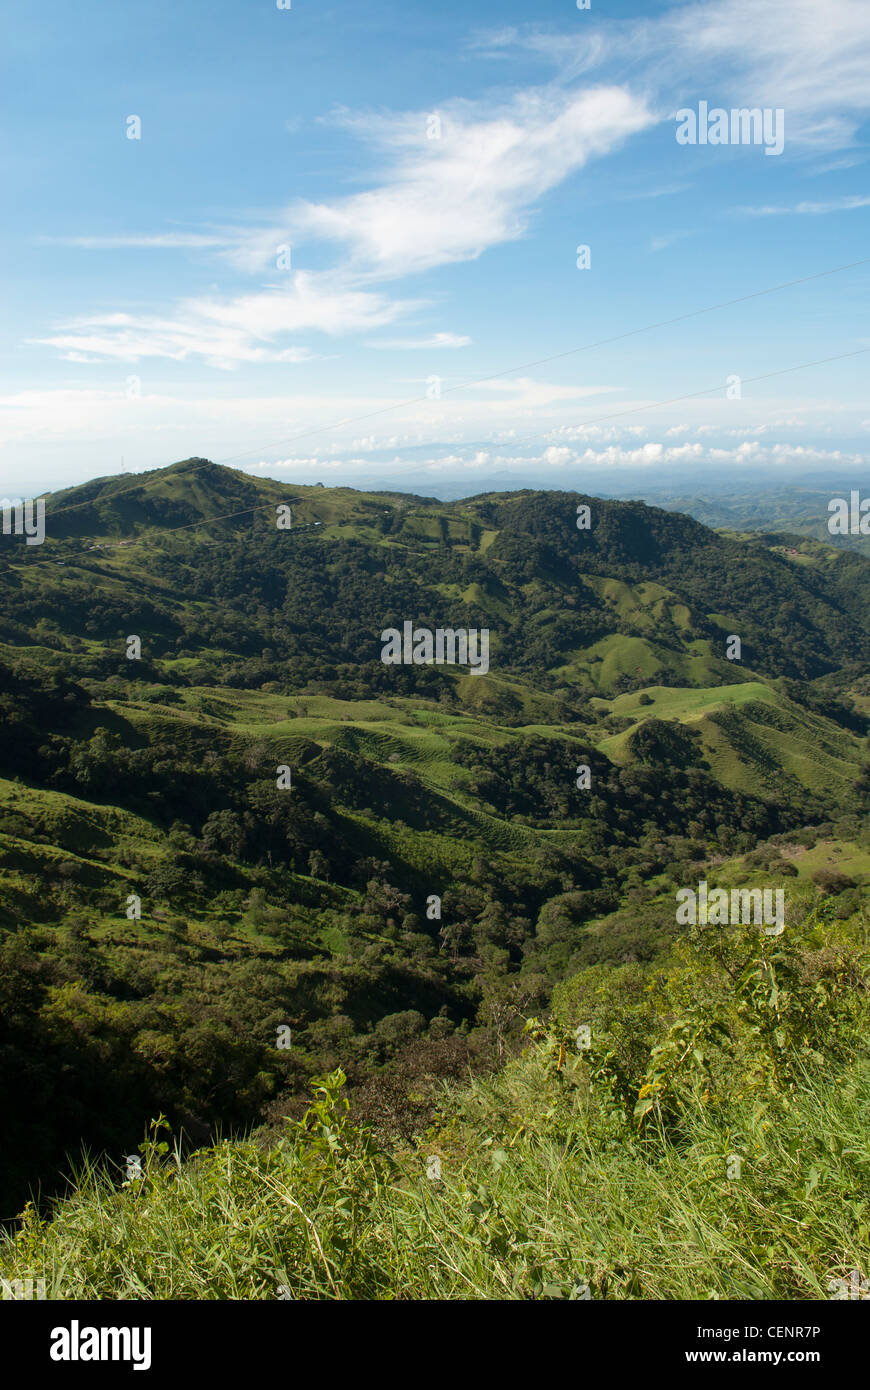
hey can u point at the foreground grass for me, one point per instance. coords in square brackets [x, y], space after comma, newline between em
[713, 1141]
[534, 1199]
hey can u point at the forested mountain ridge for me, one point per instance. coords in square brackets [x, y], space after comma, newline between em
[502, 559]
[152, 784]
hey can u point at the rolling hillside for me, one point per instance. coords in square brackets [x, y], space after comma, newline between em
[168, 906]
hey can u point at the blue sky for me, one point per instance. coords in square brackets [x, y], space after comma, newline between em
[432, 169]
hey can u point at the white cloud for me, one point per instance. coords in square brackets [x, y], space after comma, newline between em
[434, 340]
[556, 455]
[247, 328]
[656, 454]
[449, 199]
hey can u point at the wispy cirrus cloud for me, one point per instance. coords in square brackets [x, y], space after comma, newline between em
[433, 340]
[142, 241]
[661, 243]
[810, 59]
[845, 204]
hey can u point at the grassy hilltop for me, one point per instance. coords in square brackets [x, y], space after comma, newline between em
[149, 785]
